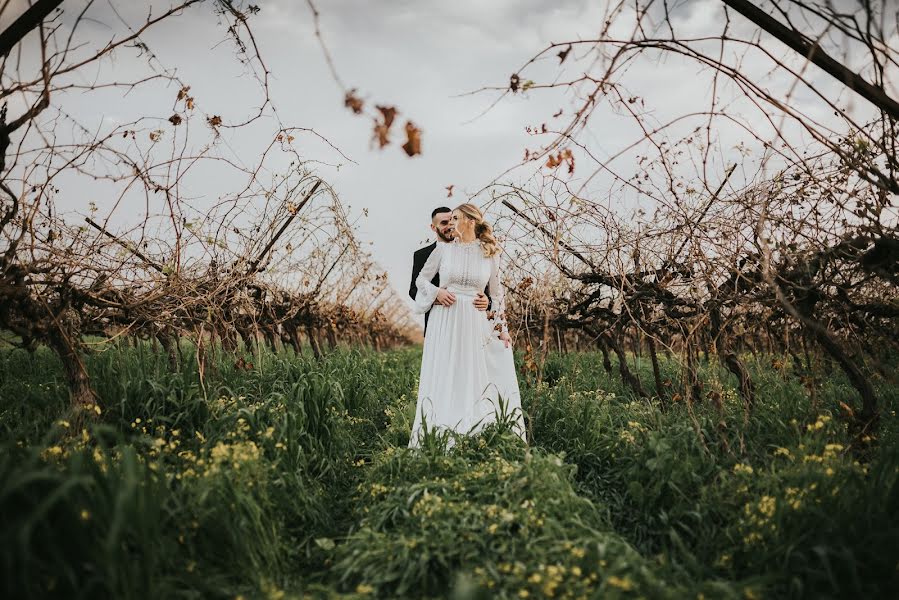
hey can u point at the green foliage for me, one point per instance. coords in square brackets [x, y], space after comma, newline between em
[293, 479]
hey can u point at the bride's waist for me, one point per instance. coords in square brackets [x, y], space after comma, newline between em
[464, 291]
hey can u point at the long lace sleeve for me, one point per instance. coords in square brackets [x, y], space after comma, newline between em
[497, 296]
[427, 291]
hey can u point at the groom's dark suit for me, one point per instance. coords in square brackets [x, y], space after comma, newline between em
[418, 261]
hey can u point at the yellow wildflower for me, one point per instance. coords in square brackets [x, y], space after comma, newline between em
[620, 583]
[741, 468]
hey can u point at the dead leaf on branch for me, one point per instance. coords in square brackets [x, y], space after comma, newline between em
[383, 122]
[382, 128]
[449, 191]
[175, 119]
[564, 54]
[389, 113]
[413, 139]
[353, 102]
[214, 121]
[562, 156]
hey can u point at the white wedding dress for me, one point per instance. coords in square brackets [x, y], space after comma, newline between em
[465, 367]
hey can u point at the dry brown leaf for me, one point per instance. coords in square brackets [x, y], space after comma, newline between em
[413, 139]
[562, 156]
[389, 113]
[353, 102]
[382, 128]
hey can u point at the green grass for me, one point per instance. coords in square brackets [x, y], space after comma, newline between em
[293, 480]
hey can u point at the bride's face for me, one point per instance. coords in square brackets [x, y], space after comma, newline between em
[462, 224]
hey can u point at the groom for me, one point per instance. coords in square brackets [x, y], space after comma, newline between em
[442, 225]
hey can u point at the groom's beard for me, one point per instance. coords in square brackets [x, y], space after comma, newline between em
[445, 238]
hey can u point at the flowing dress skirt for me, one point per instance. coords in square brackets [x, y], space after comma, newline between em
[464, 369]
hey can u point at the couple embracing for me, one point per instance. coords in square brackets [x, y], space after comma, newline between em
[467, 369]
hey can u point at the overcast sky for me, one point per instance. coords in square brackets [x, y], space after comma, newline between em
[422, 56]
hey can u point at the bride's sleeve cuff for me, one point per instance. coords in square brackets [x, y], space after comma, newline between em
[424, 299]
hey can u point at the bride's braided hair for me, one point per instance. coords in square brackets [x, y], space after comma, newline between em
[482, 229]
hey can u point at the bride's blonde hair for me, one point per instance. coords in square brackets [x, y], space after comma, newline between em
[482, 229]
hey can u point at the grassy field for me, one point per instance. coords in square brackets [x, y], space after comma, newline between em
[293, 480]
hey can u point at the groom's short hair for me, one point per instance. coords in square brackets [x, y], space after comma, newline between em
[440, 209]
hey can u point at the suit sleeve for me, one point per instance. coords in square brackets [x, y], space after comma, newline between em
[413, 289]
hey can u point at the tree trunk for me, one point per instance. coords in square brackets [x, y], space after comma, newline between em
[168, 343]
[627, 376]
[313, 342]
[606, 361]
[81, 394]
[656, 372]
[694, 389]
[852, 370]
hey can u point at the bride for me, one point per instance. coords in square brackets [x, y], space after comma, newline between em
[467, 363]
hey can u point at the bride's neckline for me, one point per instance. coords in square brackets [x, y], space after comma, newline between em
[471, 243]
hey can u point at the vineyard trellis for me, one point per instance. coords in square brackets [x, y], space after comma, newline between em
[101, 231]
[795, 253]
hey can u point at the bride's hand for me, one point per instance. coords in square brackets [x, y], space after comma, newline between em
[504, 336]
[445, 298]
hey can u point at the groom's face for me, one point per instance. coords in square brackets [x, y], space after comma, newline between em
[442, 224]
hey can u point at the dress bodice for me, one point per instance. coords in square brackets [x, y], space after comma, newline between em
[464, 268]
